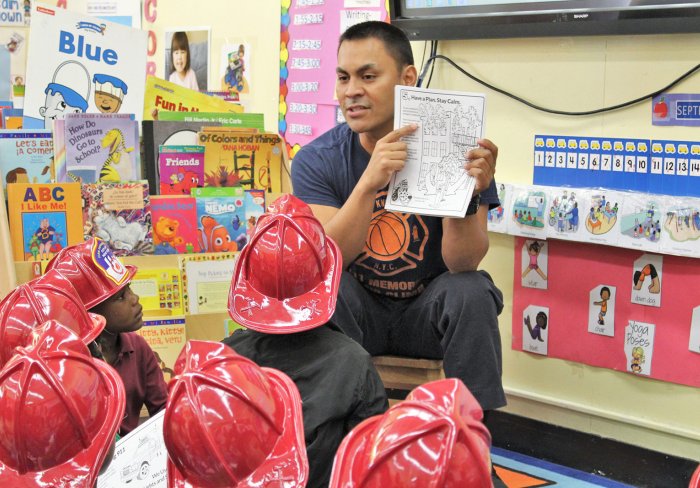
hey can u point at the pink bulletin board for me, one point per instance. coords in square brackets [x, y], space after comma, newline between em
[573, 270]
[309, 41]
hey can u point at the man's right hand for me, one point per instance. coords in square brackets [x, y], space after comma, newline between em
[389, 156]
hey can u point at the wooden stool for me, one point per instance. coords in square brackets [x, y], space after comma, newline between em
[400, 374]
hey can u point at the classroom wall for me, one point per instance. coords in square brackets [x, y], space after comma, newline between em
[576, 74]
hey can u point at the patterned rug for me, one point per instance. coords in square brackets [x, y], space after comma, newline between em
[521, 471]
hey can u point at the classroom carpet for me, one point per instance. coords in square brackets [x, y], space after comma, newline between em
[520, 471]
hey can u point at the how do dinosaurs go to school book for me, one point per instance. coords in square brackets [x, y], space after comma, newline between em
[120, 214]
[102, 148]
[81, 64]
[44, 218]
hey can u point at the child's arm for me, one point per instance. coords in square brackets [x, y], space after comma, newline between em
[156, 388]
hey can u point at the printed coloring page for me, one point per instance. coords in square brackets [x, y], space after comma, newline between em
[434, 181]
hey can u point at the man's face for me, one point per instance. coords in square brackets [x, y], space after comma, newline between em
[55, 107]
[106, 103]
[366, 76]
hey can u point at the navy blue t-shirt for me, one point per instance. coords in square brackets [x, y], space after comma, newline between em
[403, 252]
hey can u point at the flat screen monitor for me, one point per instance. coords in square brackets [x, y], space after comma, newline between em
[474, 19]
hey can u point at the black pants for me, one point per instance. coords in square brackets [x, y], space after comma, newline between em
[455, 319]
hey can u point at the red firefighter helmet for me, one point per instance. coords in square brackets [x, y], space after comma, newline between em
[230, 423]
[93, 269]
[695, 480]
[286, 279]
[50, 296]
[433, 439]
[60, 411]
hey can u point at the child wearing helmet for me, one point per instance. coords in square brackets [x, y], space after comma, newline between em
[284, 290]
[103, 284]
[433, 438]
[60, 412]
[231, 423]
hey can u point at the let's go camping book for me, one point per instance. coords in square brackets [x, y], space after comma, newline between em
[119, 214]
[26, 156]
[102, 148]
[81, 64]
[44, 218]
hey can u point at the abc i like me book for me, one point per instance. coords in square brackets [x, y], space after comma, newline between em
[81, 64]
[174, 224]
[102, 148]
[220, 219]
[44, 218]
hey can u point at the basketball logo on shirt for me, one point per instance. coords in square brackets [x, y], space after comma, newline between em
[394, 242]
[387, 236]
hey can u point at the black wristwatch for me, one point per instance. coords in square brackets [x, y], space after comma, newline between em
[474, 204]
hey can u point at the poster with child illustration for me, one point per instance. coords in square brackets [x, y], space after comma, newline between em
[187, 57]
[681, 226]
[640, 222]
[534, 258]
[601, 310]
[235, 67]
[600, 217]
[694, 343]
[497, 220]
[639, 347]
[535, 333]
[527, 213]
[564, 214]
[647, 279]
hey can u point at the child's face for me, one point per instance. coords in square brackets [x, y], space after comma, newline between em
[605, 294]
[122, 311]
[179, 60]
[540, 320]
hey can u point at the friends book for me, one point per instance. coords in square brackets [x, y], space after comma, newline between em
[180, 169]
[44, 218]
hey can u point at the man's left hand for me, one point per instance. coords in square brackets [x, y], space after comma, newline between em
[481, 164]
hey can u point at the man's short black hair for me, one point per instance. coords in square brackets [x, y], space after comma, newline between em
[394, 39]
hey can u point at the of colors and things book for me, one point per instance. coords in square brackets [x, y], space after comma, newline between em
[77, 63]
[44, 218]
[102, 148]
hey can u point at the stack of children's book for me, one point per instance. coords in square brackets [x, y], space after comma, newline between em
[77, 169]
